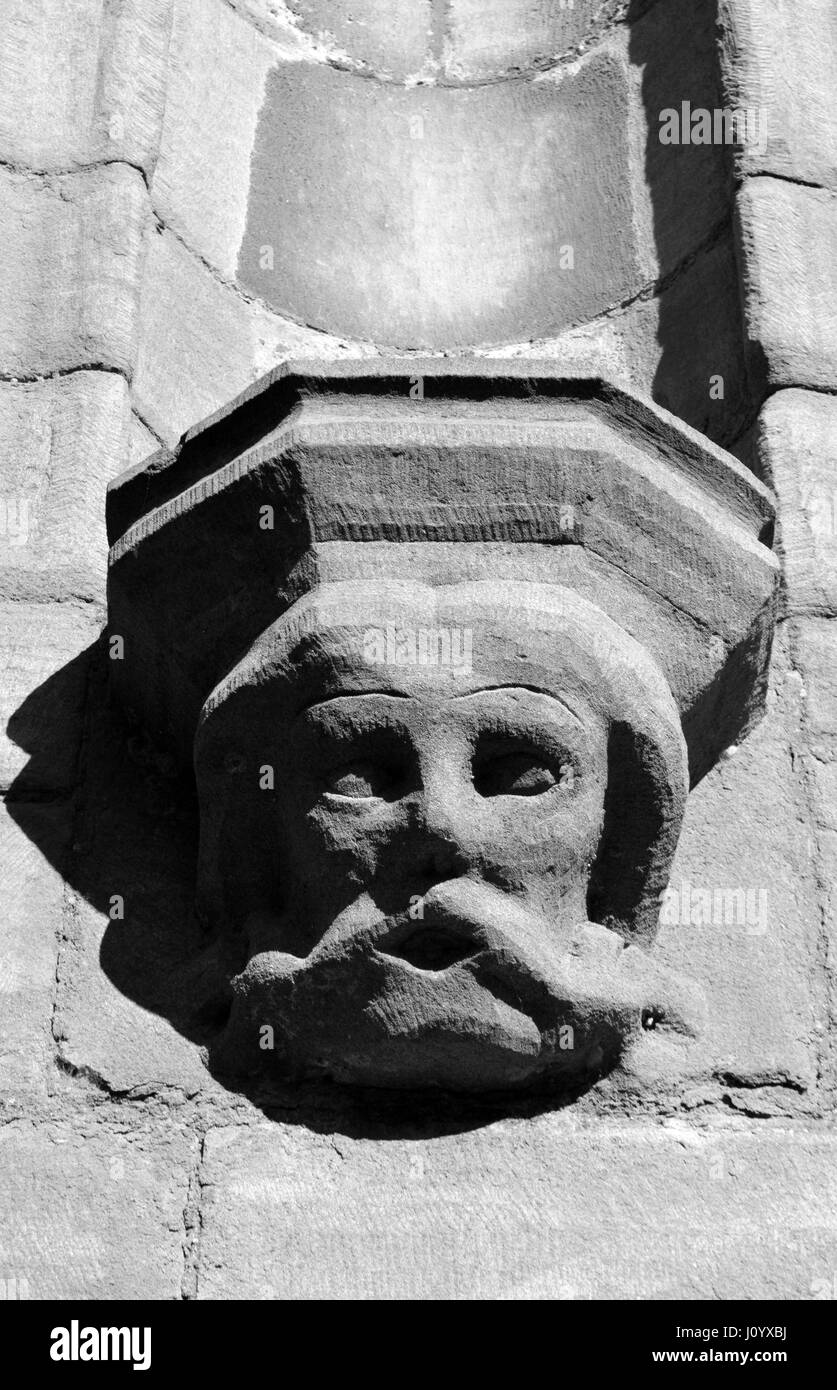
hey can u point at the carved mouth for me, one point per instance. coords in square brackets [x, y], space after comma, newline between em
[434, 948]
[474, 992]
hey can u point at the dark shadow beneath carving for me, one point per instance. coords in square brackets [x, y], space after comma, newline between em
[134, 835]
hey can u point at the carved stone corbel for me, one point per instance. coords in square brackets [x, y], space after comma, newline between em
[448, 642]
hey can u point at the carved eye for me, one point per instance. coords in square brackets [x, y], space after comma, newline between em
[524, 772]
[362, 780]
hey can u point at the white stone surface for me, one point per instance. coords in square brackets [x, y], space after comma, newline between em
[69, 275]
[789, 246]
[797, 445]
[82, 81]
[31, 921]
[62, 439]
[779, 59]
[216, 74]
[202, 341]
[522, 1209]
[42, 648]
[89, 1213]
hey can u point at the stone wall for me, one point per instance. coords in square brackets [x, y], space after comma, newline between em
[180, 181]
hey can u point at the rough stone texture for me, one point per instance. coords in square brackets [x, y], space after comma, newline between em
[451, 41]
[33, 897]
[82, 82]
[683, 602]
[129, 974]
[766, 1028]
[45, 663]
[671, 51]
[756, 956]
[108, 968]
[779, 58]
[142, 441]
[202, 340]
[61, 442]
[211, 125]
[449, 231]
[789, 247]
[688, 342]
[797, 446]
[675, 345]
[392, 41]
[527, 1209]
[283, 442]
[453, 229]
[88, 1213]
[815, 653]
[116, 1022]
[215, 87]
[69, 277]
[508, 36]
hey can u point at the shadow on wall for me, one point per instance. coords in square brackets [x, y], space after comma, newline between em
[134, 835]
[700, 328]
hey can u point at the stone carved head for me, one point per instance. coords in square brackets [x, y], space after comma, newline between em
[441, 783]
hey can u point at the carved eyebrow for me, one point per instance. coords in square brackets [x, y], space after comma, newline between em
[532, 689]
[351, 695]
[466, 695]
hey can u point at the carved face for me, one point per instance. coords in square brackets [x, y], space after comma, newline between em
[391, 793]
[403, 849]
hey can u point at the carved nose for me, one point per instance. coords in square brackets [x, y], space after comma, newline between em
[443, 854]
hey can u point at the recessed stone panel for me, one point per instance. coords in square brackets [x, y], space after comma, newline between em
[435, 217]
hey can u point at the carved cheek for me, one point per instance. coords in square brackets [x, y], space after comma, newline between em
[351, 836]
[541, 839]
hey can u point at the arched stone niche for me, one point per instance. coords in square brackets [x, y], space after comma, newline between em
[477, 178]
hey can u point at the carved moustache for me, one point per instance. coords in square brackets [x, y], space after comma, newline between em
[476, 977]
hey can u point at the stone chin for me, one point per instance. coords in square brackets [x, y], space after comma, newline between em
[407, 903]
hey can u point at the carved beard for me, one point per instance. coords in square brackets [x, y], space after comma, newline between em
[468, 991]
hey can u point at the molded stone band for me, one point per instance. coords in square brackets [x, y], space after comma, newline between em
[340, 471]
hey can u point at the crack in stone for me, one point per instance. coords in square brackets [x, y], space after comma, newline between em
[33, 378]
[28, 171]
[823, 944]
[652, 290]
[655, 288]
[193, 1220]
[434, 73]
[779, 1081]
[242, 294]
[784, 178]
